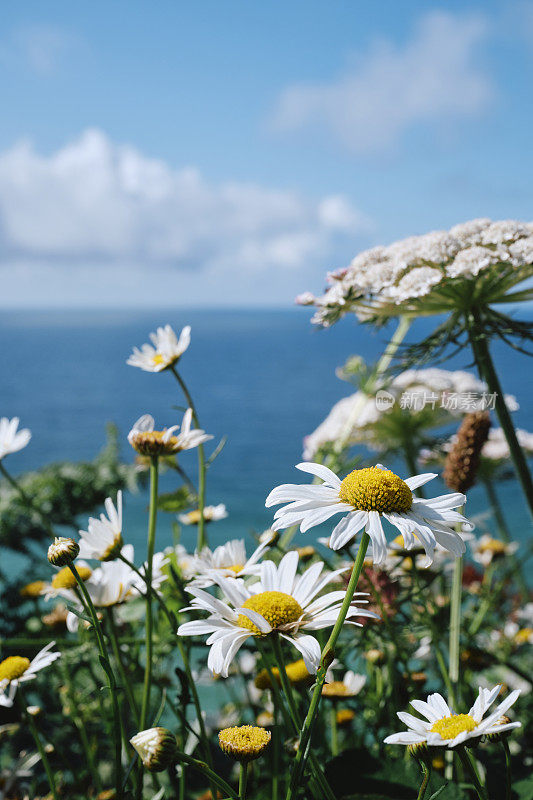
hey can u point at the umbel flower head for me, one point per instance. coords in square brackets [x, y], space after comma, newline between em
[11, 439]
[245, 742]
[366, 497]
[19, 669]
[442, 727]
[478, 260]
[62, 551]
[156, 747]
[280, 602]
[164, 352]
[103, 538]
[149, 442]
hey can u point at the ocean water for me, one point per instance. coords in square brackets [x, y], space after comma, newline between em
[264, 379]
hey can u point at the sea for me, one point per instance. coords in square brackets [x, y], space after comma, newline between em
[262, 378]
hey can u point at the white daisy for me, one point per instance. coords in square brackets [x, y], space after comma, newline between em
[164, 351]
[486, 549]
[11, 439]
[227, 561]
[211, 514]
[349, 686]
[148, 441]
[443, 728]
[18, 669]
[281, 601]
[103, 538]
[364, 497]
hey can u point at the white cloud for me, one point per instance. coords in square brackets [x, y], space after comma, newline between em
[93, 208]
[430, 79]
[41, 48]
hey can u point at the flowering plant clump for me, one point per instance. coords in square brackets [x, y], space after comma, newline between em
[276, 669]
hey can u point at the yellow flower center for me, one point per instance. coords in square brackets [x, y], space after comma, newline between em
[244, 743]
[64, 579]
[277, 608]
[296, 672]
[345, 716]
[493, 546]
[13, 667]
[33, 589]
[450, 727]
[375, 489]
[113, 550]
[151, 443]
[336, 689]
[157, 359]
[523, 636]
[236, 568]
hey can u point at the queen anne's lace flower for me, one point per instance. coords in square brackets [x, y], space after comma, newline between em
[365, 497]
[382, 278]
[444, 728]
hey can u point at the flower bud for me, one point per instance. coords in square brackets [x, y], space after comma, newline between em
[63, 551]
[156, 747]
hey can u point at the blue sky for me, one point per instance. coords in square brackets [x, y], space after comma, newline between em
[230, 153]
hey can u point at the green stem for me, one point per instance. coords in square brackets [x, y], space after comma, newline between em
[113, 636]
[328, 653]
[487, 370]
[152, 521]
[112, 686]
[243, 780]
[292, 722]
[505, 534]
[35, 733]
[276, 752]
[425, 781]
[508, 777]
[469, 765]
[202, 537]
[209, 774]
[455, 629]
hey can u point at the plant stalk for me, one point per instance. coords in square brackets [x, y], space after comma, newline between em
[152, 521]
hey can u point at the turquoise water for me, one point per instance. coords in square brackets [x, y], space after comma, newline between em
[263, 378]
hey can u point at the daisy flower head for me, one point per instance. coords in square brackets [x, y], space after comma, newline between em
[350, 686]
[19, 669]
[211, 514]
[281, 602]
[149, 442]
[487, 549]
[228, 560]
[11, 439]
[365, 497]
[103, 538]
[442, 727]
[165, 350]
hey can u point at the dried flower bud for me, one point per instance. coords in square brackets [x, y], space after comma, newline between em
[462, 461]
[245, 742]
[156, 747]
[63, 551]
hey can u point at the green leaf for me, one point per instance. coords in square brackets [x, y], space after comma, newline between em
[172, 502]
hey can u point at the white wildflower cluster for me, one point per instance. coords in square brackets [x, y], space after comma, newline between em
[442, 388]
[496, 448]
[384, 277]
